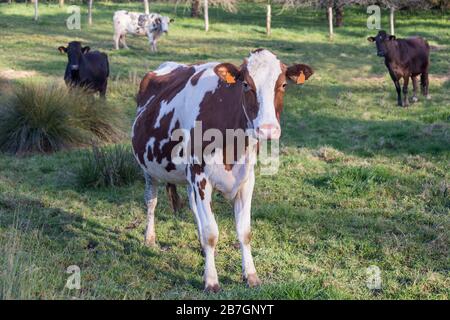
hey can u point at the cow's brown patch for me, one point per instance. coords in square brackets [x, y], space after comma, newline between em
[279, 91]
[201, 188]
[257, 50]
[196, 77]
[247, 238]
[212, 241]
[195, 170]
[163, 88]
[223, 109]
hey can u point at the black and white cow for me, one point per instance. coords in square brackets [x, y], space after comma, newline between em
[220, 97]
[153, 25]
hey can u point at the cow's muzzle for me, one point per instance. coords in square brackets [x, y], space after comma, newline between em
[380, 54]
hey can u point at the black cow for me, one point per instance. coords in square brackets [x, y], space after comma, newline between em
[405, 58]
[86, 69]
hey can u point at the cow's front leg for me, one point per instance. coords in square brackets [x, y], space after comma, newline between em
[405, 91]
[151, 199]
[151, 40]
[399, 94]
[208, 230]
[198, 221]
[242, 213]
[396, 81]
[414, 97]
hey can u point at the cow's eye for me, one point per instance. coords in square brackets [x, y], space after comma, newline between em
[284, 85]
[246, 86]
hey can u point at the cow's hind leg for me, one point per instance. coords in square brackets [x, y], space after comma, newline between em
[405, 91]
[174, 198]
[151, 198]
[242, 214]
[414, 81]
[208, 229]
[424, 82]
[123, 40]
[151, 41]
[102, 90]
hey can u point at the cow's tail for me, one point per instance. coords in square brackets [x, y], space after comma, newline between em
[174, 198]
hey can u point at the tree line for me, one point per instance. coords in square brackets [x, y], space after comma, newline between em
[333, 9]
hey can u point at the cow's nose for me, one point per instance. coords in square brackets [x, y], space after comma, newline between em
[268, 131]
[380, 54]
[74, 67]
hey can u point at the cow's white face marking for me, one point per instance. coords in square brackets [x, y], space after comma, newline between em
[165, 24]
[264, 68]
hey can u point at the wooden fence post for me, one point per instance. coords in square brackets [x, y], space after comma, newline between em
[90, 12]
[205, 12]
[391, 20]
[330, 21]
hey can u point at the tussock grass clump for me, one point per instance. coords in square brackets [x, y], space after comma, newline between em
[107, 166]
[47, 118]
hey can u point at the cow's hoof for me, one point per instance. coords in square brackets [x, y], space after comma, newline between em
[414, 99]
[212, 288]
[253, 280]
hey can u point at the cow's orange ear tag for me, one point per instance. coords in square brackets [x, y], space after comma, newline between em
[301, 78]
[229, 78]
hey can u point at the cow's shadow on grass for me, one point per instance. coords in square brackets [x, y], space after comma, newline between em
[81, 236]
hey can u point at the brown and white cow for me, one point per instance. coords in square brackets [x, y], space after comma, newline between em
[219, 96]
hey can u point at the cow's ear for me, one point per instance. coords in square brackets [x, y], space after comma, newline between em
[228, 72]
[85, 49]
[62, 49]
[392, 38]
[371, 39]
[299, 73]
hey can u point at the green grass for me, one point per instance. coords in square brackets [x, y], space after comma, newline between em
[107, 167]
[361, 181]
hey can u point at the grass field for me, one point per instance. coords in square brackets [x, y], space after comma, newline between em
[361, 181]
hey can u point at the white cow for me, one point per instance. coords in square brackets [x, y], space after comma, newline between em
[153, 25]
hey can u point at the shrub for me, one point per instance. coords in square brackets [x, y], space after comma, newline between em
[46, 118]
[107, 166]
